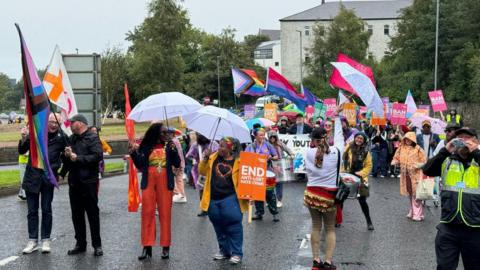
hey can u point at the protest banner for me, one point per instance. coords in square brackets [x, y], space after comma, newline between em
[331, 104]
[253, 175]
[437, 100]
[320, 110]
[299, 145]
[399, 114]
[378, 121]
[270, 112]
[350, 112]
[309, 111]
[249, 111]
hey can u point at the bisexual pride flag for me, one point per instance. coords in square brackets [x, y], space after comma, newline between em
[277, 85]
[37, 110]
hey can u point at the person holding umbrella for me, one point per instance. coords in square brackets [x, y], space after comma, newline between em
[219, 199]
[156, 156]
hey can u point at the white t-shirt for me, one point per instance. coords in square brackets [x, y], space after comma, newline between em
[327, 175]
[426, 143]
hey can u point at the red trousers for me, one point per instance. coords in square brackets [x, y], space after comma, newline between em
[156, 196]
[339, 215]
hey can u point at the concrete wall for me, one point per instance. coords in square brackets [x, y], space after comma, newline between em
[276, 57]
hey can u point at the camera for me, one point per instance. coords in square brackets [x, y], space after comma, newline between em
[458, 143]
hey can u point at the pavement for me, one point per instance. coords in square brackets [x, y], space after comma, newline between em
[396, 243]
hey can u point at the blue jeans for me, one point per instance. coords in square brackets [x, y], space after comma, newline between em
[279, 190]
[379, 160]
[226, 219]
[34, 201]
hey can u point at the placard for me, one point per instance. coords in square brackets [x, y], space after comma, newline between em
[249, 111]
[331, 104]
[253, 176]
[320, 110]
[270, 112]
[309, 111]
[399, 114]
[299, 145]
[437, 100]
[350, 112]
[378, 121]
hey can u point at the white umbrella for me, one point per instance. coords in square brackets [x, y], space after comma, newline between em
[438, 126]
[163, 106]
[215, 123]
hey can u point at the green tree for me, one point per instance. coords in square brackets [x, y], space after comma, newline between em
[5, 90]
[157, 65]
[115, 67]
[346, 34]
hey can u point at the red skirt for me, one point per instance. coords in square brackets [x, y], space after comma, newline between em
[320, 198]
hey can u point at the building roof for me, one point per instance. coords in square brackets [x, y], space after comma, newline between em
[367, 10]
[268, 45]
[272, 34]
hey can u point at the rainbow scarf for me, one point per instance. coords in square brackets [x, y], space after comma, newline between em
[37, 110]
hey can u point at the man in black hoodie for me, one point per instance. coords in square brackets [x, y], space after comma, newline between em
[38, 189]
[81, 162]
[459, 229]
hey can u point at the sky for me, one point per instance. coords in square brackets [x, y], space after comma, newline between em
[94, 25]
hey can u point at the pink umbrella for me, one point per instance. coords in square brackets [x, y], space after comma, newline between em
[438, 126]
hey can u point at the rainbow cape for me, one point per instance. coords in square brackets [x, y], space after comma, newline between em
[277, 85]
[37, 110]
[246, 82]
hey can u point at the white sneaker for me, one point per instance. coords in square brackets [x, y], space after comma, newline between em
[175, 197]
[32, 246]
[219, 256]
[279, 204]
[235, 259]
[180, 199]
[46, 246]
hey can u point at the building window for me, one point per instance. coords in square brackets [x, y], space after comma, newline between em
[277, 64]
[321, 30]
[307, 59]
[370, 29]
[263, 54]
[307, 32]
[386, 29]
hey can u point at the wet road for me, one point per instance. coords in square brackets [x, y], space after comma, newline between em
[396, 243]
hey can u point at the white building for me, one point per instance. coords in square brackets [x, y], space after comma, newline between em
[297, 37]
[268, 54]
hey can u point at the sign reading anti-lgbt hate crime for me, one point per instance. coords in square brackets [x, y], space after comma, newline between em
[253, 176]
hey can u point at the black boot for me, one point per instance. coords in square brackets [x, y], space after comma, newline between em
[77, 250]
[165, 252]
[146, 253]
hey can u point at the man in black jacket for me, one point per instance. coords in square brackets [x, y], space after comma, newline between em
[459, 229]
[38, 188]
[81, 162]
[300, 127]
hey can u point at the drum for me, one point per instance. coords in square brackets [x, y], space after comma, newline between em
[353, 183]
[285, 169]
[271, 179]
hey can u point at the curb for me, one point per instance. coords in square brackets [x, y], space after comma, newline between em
[12, 190]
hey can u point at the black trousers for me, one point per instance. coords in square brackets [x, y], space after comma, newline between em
[453, 240]
[43, 199]
[84, 198]
[271, 199]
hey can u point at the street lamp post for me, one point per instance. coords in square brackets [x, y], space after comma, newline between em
[218, 80]
[436, 45]
[301, 57]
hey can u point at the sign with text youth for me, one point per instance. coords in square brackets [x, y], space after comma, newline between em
[253, 176]
[299, 145]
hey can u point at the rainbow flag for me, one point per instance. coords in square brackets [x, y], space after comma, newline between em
[277, 85]
[37, 110]
[246, 82]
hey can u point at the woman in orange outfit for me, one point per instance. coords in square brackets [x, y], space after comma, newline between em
[155, 157]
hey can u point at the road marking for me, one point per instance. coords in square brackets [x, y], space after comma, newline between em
[8, 260]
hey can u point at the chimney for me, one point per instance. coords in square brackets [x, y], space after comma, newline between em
[323, 2]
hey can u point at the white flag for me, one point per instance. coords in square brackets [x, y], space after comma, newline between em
[59, 90]
[362, 85]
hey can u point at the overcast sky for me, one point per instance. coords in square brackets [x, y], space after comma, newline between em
[93, 25]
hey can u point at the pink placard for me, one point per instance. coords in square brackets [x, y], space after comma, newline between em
[309, 111]
[437, 100]
[331, 104]
[399, 112]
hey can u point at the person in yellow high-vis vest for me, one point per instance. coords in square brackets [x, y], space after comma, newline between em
[454, 117]
[459, 229]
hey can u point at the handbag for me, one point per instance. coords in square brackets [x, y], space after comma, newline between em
[342, 190]
[425, 189]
